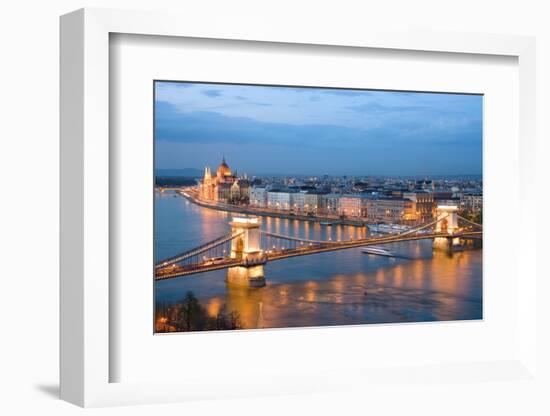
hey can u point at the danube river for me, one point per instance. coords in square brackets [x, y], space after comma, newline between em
[335, 288]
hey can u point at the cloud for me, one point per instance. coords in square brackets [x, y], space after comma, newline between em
[346, 92]
[300, 106]
[211, 127]
[380, 109]
[378, 126]
[211, 93]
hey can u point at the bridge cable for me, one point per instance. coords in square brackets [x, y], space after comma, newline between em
[197, 250]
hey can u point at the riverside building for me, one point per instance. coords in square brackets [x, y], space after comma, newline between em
[392, 210]
[258, 197]
[424, 204]
[279, 199]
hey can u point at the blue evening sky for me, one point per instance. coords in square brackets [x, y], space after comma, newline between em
[314, 131]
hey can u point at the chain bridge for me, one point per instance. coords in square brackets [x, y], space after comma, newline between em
[247, 248]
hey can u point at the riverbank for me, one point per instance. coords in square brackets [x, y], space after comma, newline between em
[268, 213]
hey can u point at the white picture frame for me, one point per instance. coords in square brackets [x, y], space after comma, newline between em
[85, 210]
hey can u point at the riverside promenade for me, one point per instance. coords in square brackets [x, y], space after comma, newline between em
[192, 195]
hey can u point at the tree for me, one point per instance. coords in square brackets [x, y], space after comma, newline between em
[234, 320]
[476, 217]
[224, 320]
[192, 316]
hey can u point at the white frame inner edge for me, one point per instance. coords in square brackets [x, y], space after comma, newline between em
[84, 234]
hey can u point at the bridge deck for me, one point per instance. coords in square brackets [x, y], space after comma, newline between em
[177, 271]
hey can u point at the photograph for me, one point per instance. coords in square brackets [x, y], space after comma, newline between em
[282, 206]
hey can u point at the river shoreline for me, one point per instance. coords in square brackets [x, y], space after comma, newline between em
[274, 214]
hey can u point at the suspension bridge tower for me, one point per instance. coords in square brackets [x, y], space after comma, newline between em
[447, 222]
[246, 247]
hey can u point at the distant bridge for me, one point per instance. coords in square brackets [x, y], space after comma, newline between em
[162, 188]
[245, 249]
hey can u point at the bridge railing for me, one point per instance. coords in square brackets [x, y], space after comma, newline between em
[312, 244]
[297, 239]
[197, 250]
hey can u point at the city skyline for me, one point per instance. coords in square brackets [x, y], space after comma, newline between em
[317, 131]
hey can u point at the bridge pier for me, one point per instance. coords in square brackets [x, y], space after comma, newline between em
[447, 223]
[246, 247]
[445, 243]
[244, 276]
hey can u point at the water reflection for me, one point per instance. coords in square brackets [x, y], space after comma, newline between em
[342, 287]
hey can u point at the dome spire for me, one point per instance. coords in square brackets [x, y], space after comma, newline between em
[223, 169]
[207, 172]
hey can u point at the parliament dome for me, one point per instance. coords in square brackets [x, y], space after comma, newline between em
[223, 169]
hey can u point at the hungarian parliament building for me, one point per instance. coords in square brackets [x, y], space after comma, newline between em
[225, 186]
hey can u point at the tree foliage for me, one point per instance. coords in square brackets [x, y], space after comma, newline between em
[476, 217]
[190, 315]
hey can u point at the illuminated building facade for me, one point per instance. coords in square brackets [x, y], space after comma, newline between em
[424, 204]
[224, 186]
[472, 202]
[279, 199]
[391, 209]
[330, 203]
[258, 197]
[352, 205]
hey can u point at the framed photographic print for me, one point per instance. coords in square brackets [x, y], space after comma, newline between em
[340, 206]
[248, 213]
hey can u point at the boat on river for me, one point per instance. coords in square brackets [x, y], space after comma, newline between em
[388, 228]
[378, 251]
